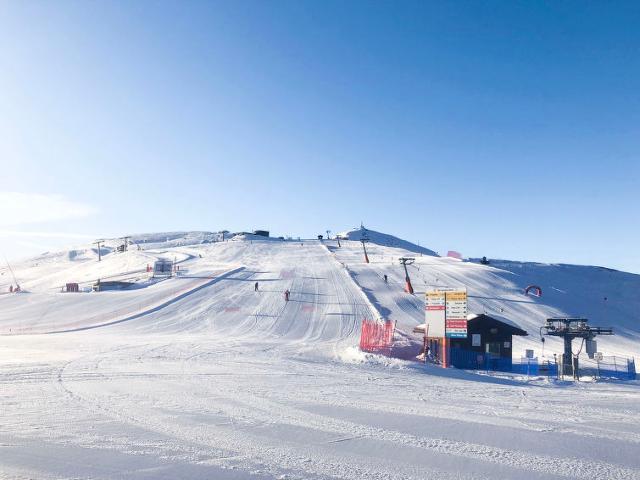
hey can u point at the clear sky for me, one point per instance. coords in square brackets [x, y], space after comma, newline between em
[507, 129]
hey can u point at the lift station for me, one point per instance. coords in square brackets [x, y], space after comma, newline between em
[568, 329]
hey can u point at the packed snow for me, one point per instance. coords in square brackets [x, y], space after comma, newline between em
[202, 376]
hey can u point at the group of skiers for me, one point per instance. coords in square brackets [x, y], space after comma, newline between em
[286, 293]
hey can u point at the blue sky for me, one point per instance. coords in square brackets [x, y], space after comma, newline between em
[506, 129]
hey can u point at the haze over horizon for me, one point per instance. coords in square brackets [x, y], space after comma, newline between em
[499, 129]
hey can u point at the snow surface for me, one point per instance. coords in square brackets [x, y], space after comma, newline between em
[384, 239]
[199, 376]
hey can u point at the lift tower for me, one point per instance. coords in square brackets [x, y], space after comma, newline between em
[404, 261]
[98, 242]
[364, 249]
[568, 329]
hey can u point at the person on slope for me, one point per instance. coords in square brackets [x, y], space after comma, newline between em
[385, 278]
[255, 287]
[287, 293]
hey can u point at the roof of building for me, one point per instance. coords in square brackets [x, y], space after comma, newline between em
[483, 318]
[486, 319]
[106, 283]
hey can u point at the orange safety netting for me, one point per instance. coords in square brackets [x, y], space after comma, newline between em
[376, 337]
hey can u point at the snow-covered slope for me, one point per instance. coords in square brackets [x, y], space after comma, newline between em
[384, 239]
[607, 297]
[200, 376]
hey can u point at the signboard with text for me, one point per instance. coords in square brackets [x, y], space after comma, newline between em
[456, 314]
[435, 312]
[446, 312]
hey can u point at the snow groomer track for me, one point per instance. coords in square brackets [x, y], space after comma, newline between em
[228, 383]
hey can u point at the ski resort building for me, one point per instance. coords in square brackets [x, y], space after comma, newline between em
[162, 268]
[102, 286]
[489, 343]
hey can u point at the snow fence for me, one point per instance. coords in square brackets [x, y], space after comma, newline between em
[376, 336]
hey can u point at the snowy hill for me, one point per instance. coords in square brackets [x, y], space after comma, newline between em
[174, 239]
[607, 297]
[385, 240]
[203, 375]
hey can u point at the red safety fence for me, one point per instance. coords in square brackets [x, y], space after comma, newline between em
[376, 337]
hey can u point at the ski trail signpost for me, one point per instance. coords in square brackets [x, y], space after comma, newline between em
[456, 313]
[446, 312]
[435, 312]
[446, 316]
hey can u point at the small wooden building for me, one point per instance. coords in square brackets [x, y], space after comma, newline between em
[162, 268]
[489, 341]
[488, 344]
[102, 286]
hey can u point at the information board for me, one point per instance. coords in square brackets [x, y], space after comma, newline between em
[456, 313]
[435, 313]
[446, 312]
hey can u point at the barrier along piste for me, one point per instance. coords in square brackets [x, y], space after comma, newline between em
[377, 336]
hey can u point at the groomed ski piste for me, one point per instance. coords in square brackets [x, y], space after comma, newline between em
[199, 376]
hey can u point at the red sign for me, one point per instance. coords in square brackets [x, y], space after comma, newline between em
[456, 324]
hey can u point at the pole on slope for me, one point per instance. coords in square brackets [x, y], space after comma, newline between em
[404, 261]
[98, 242]
[426, 336]
[364, 248]
[12, 274]
[445, 343]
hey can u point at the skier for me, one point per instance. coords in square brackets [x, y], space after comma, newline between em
[385, 278]
[286, 295]
[255, 287]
